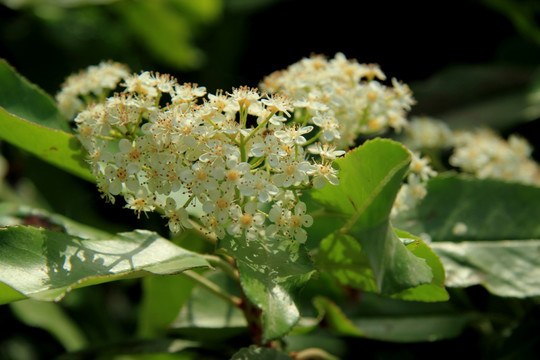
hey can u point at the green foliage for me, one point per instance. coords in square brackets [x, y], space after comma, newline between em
[367, 237]
[30, 120]
[271, 272]
[498, 247]
[44, 265]
[52, 318]
[394, 321]
[207, 316]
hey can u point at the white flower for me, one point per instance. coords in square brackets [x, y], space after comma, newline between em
[178, 220]
[425, 132]
[293, 135]
[95, 80]
[141, 201]
[267, 146]
[248, 220]
[290, 224]
[258, 185]
[420, 166]
[328, 124]
[143, 84]
[278, 103]
[291, 173]
[323, 173]
[219, 204]
[325, 151]
[217, 149]
[187, 93]
[201, 177]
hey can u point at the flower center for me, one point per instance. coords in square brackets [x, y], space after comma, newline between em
[246, 220]
[222, 203]
[290, 170]
[233, 175]
[201, 175]
[121, 174]
[296, 221]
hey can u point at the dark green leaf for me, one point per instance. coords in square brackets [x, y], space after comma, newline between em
[498, 220]
[393, 320]
[370, 177]
[489, 209]
[52, 318]
[271, 271]
[505, 268]
[162, 299]
[43, 264]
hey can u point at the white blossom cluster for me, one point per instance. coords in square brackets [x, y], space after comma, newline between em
[89, 85]
[428, 133]
[170, 146]
[480, 152]
[485, 154]
[413, 190]
[342, 97]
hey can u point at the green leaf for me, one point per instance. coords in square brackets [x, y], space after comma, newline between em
[505, 268]
[393, 320]
[44, 265]
[260, 353]
[271, 272]
[489, 209]
[162, 299]
[30, 120]
[25, 100]
[433, 291]
[207, 315]
[52, 318]
[496, 246]
[370, 177]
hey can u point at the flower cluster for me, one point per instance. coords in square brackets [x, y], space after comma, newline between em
[342, 97]
[236, 157]
[414, 188]
[487, 155]
[89, 85]
[428, 133]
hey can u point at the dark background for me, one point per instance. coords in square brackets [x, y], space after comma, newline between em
[410, 40]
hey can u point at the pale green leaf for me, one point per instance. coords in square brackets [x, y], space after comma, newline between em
[44, 265]
[505, 268]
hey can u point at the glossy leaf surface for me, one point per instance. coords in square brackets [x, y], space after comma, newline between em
[366, 247]
[44, 265]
